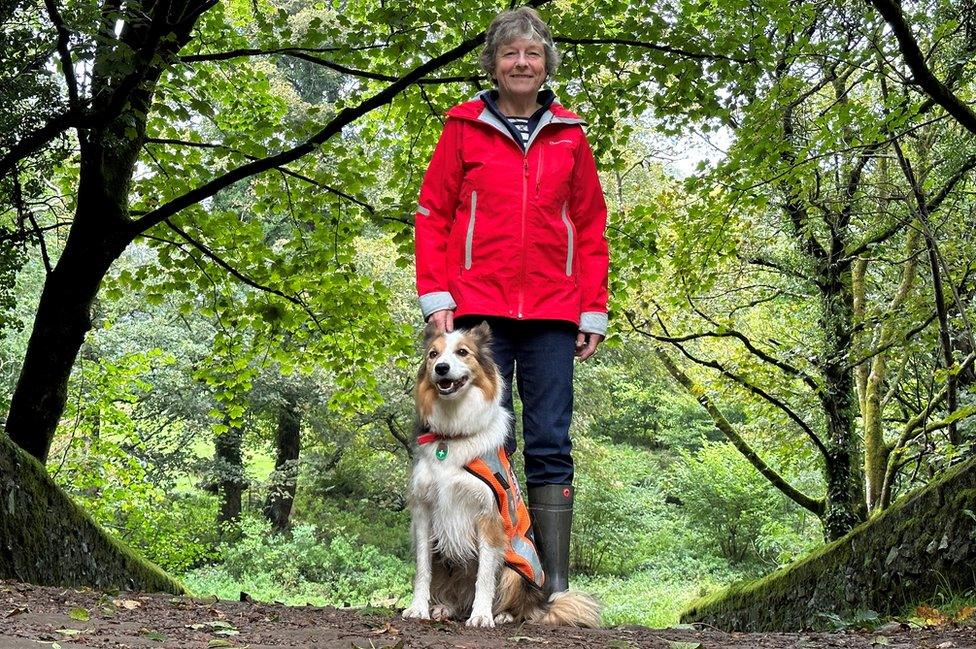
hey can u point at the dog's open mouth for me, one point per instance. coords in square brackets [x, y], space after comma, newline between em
[450, 386]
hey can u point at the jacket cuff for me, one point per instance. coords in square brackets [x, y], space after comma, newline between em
[593, 322]
[437, 301]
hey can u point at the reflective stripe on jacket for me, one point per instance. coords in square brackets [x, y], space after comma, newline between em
[502, 232]
[520, 553]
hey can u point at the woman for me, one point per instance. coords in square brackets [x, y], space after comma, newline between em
[510, 229]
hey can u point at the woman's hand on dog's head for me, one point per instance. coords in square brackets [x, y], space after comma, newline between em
[442, 320]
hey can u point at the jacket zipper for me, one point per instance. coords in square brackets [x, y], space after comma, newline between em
[525, 204]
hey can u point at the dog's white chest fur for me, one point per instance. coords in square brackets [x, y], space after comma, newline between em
[455, 500]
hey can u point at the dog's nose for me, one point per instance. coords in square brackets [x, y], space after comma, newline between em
[441, 368]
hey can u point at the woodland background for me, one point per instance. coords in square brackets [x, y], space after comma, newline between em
[208, 329]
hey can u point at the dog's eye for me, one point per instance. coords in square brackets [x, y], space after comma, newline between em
[432, 353]
[462, 352]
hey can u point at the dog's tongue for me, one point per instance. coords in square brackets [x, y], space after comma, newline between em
[445, 384]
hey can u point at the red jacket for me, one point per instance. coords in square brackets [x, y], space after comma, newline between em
[502, 232]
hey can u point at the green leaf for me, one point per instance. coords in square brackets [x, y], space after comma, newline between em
[79, 614]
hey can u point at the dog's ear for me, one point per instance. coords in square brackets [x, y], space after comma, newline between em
[482, 333]
[430, 332]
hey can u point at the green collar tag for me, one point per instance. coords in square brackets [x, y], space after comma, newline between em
[441, 451]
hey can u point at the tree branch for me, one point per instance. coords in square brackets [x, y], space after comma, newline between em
[294, 174]
[344, 118]
[64, 36]
[302, 54]
[657, 47]
[816, 506]
[754, 389]
[210, 254]
[938, 91]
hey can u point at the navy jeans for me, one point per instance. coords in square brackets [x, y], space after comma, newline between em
[539, 353]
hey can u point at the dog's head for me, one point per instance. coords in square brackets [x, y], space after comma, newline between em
[456, 362]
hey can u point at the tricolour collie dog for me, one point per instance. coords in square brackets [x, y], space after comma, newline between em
[475, 555]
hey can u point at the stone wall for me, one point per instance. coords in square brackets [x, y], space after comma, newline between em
[924, 542]
[47, 539]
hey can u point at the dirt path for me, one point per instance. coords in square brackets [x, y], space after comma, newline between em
[33, 616]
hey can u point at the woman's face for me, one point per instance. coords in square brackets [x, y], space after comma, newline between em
[520, 68]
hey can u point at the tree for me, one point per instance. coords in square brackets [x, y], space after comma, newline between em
[785, 230]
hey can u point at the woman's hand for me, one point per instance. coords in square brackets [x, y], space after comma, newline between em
[586, 344]
[443, 320]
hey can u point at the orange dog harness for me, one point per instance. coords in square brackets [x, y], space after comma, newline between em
[520, 554]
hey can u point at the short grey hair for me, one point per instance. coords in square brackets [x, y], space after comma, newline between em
[512, 25]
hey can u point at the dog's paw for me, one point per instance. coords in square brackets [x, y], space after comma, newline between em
[504, 618]
[416, 613]
[441, 612]
[478, 620]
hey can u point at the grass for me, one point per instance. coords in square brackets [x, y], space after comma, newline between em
[258, 464]
[642, 598]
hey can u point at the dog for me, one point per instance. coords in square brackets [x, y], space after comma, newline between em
[475, 553]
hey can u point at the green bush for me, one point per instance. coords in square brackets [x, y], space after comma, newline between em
[615, 508]
[304, 566]
[736, 512]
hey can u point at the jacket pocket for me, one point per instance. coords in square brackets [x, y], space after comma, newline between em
[570, 243]
[469, 236]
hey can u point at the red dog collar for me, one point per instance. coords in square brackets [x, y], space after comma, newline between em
[428, 438]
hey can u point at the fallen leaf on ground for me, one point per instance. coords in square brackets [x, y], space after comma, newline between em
[78, 613]
[129, 604]
[931, 616]
[389, 628]
[18, 611]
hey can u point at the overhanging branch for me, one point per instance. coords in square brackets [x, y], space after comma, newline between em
[343, 119]
[926, 79]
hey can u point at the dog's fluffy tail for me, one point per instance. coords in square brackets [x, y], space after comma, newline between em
[569, 608]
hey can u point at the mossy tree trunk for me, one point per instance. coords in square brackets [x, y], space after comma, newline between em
[284, 480]
[45, 538]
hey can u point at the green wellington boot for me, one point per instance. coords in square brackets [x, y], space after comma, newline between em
[551, 509]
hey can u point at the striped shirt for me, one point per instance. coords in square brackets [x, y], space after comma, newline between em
[521, 125]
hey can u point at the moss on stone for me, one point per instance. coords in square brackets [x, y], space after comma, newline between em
[924, 542]
[47, 539]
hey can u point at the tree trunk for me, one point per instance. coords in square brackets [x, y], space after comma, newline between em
[841, 461]
[284, 479]
[62, 320]
[229, 470]
[101, 229]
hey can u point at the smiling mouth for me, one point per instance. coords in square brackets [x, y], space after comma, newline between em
[449, 386]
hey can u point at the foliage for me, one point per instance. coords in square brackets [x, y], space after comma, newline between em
[305, 567]
[734, 511]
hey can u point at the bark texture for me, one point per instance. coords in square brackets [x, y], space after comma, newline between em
[46, 539]
[284, 480]
[924, 543]
[229, 471]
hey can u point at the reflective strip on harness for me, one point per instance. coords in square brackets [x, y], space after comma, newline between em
[520, 552]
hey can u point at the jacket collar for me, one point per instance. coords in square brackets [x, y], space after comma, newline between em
[483, 108]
